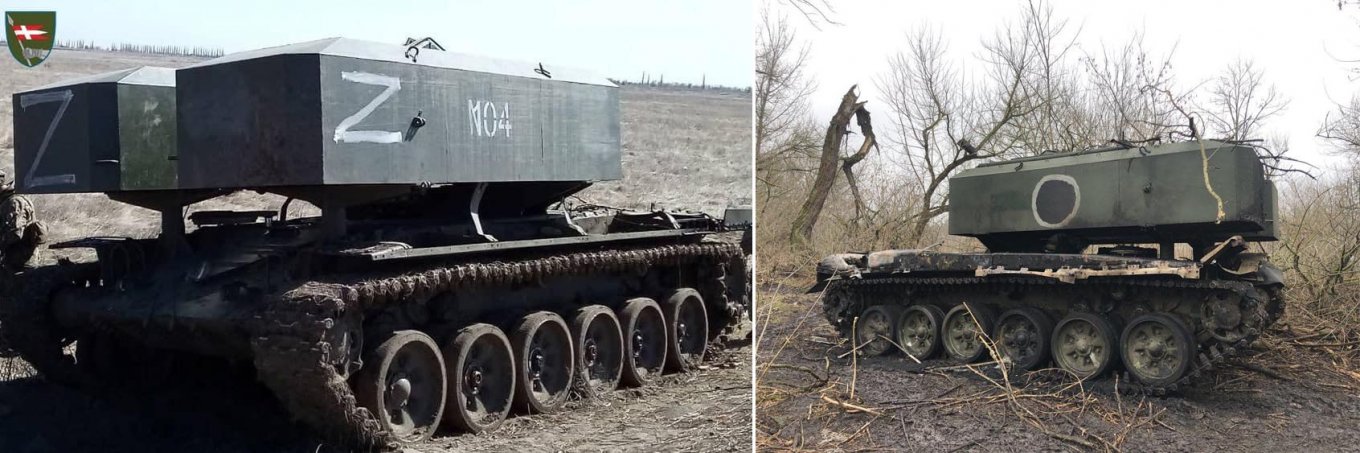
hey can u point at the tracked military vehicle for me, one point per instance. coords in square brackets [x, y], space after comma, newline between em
[1066, 280]
[444, 283]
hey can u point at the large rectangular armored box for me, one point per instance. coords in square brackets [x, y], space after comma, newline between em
[105, 133]
[1147, 195]
[341, 111]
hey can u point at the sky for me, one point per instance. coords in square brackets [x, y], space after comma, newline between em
[1297, 43]
[682, 40]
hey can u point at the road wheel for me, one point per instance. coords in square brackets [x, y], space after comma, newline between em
[687, 329]
[1085, 344]
[644, 339]
[963, 338]
[543, 361]
[1157, 349]
[481, 374]
[918, 331]
[874, 330]
[403, 385]
[599, 350]
[1022, 336]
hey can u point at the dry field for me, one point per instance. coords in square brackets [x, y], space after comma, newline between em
[681, 150]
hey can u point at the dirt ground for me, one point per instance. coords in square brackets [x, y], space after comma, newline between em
[227, 412]
[1286, 395]
[681, 150]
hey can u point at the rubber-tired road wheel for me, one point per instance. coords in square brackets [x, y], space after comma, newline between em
[644, 340]
[687, 329]
[874, 330]
[403, 385]
[599, 350]
[918, 331]
[1085, 344]
[544, 362]
[481, 373]
[963, 338]
[1022, 336]
[1157, 349]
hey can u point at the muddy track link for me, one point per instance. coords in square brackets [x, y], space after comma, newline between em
[293, 354]
[850, 296]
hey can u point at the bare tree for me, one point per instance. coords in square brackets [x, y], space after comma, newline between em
[943, 124]
[1342, 127]
[1241, 101]
[782, 85]
[831, 159]
[784, 134]
[815, 11]
[1059, 122]
[1133, 96]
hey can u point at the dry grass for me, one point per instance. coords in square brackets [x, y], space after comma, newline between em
[682, 149]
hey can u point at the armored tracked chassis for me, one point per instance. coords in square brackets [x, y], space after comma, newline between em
[422, 296]
[1043, 303]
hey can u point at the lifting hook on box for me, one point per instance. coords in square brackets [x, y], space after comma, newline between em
[413, 46]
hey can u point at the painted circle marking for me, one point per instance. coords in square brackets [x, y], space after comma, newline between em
[1055, 201]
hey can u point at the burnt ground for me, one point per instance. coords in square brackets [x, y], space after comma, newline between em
[219, 408]
[1285, 394]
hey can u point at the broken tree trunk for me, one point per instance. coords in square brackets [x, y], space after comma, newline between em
[801, 233]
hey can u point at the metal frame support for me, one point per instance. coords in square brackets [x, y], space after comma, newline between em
[474, 207]
[566, 218]
[173, 230]
[334, 220]
[1167, 250]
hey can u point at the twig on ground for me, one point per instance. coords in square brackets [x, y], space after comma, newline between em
[851, 407]
[1263, 370]
[1327, 345]
[820, 379]
[854, 358]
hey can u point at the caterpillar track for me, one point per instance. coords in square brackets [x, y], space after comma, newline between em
[295, 359]
[1260, 306]
[302, 341]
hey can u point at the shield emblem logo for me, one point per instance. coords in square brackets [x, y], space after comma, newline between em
[30, 35]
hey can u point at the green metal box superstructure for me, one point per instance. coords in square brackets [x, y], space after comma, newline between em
[111, 132]
[1126, 195]
[344, 112]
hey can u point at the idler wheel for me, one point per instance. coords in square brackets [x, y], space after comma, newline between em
[962, 336]
[599, 350]
[543, 361]
[1022, 336]
[1085, 344]
[403, 386]
[1223, 317]
[1157, 349]
[918, 331]
[874, 330]
[481, 378]
[687, 329]
[644, 340]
